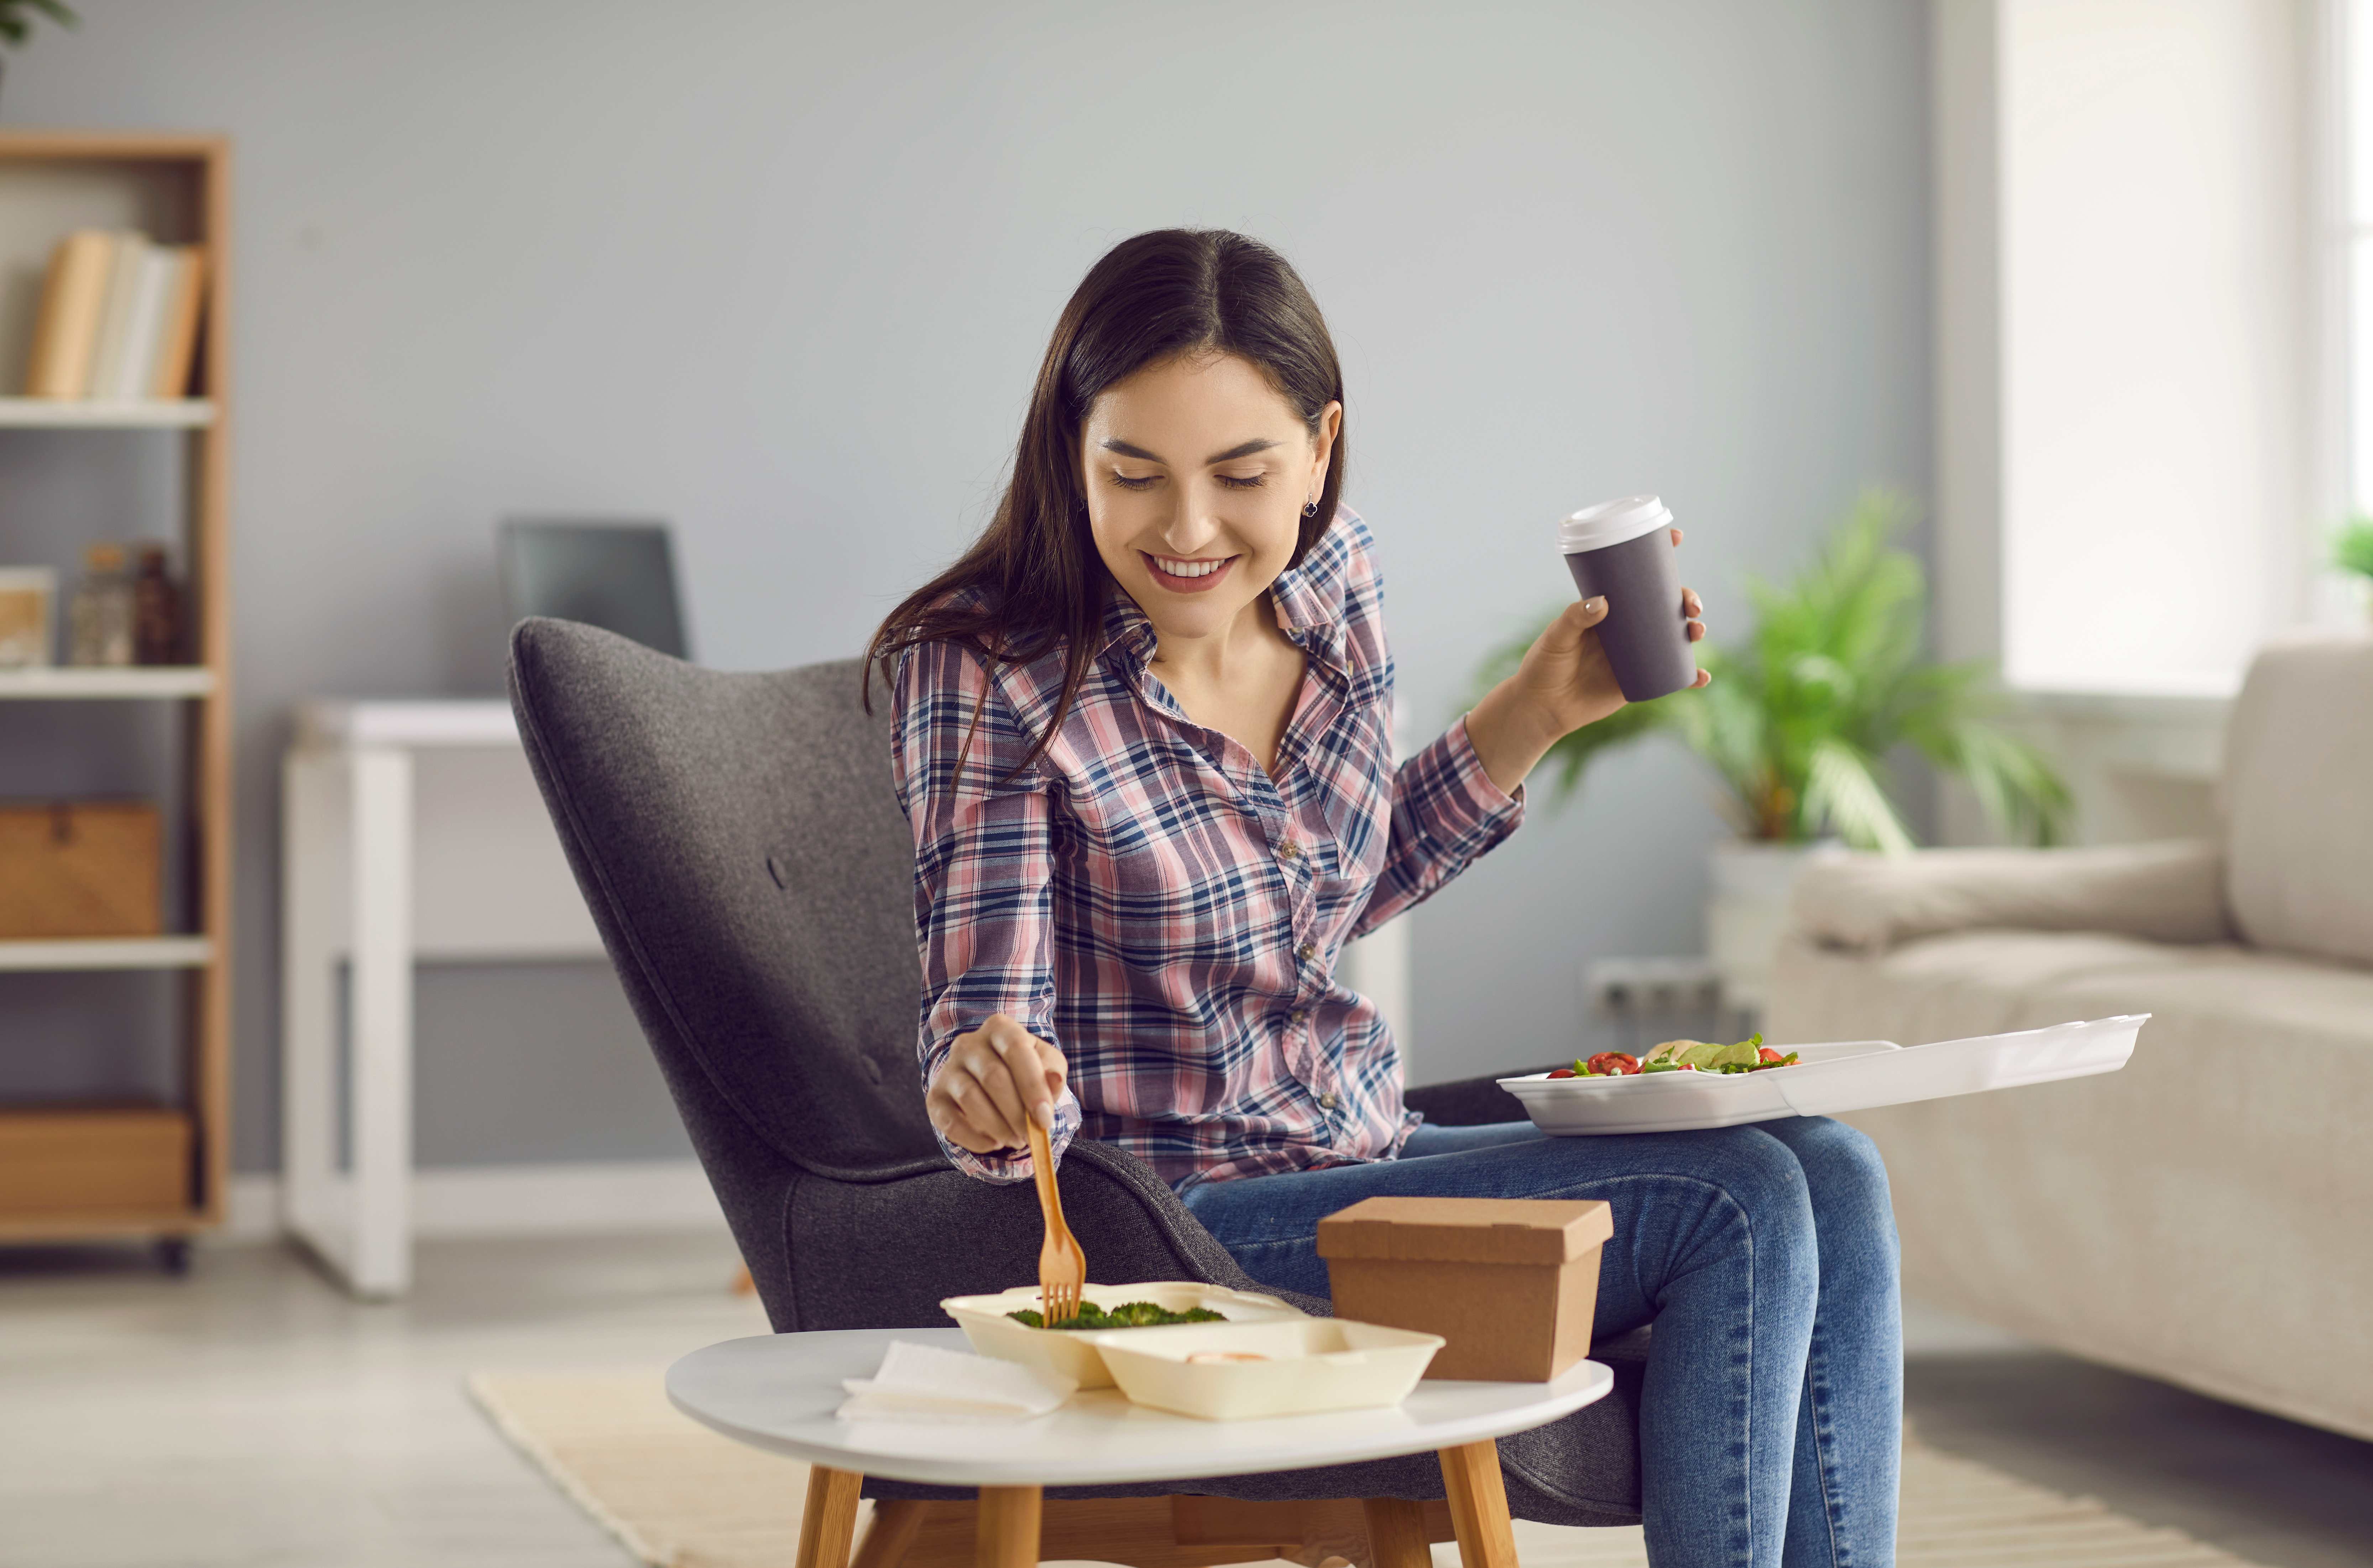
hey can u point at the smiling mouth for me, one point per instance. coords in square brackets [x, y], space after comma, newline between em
[1187, 574]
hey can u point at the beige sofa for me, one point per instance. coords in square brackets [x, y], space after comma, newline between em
[2205, 1215]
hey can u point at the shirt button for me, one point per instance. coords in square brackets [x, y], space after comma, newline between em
[1300, 1015]
[1328, 1101]
[1306, 951]
[1289, 850]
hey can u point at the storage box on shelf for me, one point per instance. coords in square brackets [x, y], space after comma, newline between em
[80, 869]
[156, 1169]
[93, 1164]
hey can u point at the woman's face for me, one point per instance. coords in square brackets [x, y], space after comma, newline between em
[1196, 470]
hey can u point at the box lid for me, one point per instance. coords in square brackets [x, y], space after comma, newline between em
[1467, 1230]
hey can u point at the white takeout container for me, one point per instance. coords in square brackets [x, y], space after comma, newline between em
[1309, 1364]
[1072, 1352]
[1845, 1075]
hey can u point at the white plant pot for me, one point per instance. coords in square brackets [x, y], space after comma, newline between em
[1747, 911]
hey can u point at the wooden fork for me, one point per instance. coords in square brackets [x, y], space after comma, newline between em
[1062, 1267]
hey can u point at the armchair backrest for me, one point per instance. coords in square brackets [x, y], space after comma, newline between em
[737, 841]
[2298, 778]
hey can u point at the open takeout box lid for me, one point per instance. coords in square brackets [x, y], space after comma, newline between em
[1467, 1230]
[1834, 1076]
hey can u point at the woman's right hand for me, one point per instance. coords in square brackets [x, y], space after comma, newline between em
[993, 1083]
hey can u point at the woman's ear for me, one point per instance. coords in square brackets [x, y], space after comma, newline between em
[1331, 424]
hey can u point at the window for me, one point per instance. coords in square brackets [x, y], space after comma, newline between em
[2156, 352]
[2354, 232]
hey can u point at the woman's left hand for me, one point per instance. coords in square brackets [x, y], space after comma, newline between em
[1563, 684]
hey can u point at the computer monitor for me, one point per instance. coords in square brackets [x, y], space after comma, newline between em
[618, 576]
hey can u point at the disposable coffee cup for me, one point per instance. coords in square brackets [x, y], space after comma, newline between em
[1623, 549]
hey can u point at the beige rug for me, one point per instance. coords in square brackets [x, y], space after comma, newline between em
[680, 1496]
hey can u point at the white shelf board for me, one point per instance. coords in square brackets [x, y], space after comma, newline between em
[108, 953]
[65, 682]
[145, 414]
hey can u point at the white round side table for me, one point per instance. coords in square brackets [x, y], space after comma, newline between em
[778, 1391]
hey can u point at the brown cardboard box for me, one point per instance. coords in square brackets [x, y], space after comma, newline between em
[81, 868]
[1510, 1283]
[93, 1159]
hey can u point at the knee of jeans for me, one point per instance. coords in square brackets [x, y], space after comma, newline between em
[1765, 1180]
[1844, 1165]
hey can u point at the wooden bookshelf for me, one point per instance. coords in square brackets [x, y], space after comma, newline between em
[177, 189]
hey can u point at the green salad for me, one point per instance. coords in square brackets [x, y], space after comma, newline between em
[1751, 1055]
[1127, 1314]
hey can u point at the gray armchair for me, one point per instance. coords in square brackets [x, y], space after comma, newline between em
[744, 858]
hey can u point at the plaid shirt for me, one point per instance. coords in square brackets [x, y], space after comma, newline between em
[1148, 898]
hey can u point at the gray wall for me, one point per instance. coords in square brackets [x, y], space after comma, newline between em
[783, 274]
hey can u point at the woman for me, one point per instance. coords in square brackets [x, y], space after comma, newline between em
[1144, 740]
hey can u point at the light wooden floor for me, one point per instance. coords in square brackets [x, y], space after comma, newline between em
[252, 1417]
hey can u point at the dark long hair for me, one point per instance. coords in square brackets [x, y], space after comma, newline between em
[1033, 581]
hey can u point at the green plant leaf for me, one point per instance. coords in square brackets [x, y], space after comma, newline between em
[1843, 792]
[2023, 795]
[16, 27]
[2352, 549]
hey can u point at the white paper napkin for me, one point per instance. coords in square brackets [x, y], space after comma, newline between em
[926, 1382]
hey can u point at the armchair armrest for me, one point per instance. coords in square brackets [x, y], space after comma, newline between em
[1470, 1102]
[2171, 891]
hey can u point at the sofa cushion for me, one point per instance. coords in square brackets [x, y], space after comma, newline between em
[2199, 1216]
[2298, 775]
[2171, 891]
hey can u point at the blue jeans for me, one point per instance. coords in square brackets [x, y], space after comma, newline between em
[1770, 1425]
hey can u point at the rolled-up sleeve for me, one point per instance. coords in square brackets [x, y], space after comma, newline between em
[984, 867]
[1446, 812]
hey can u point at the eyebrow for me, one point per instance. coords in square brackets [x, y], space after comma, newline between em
[1242, 449]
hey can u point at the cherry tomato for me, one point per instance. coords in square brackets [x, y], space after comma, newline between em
[1616, 1062]
[1564, 1072]
[1765, 1053]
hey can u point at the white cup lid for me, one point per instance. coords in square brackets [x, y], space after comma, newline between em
[1612, 522]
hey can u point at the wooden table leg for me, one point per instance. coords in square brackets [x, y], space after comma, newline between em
[1396, 1533]
[1006, 1535]
[895, 1522]
[830, 1519]
[1479, 1505]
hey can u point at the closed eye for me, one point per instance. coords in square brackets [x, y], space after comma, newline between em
[1231, 481]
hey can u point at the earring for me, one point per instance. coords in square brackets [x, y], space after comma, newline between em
[1310, 510]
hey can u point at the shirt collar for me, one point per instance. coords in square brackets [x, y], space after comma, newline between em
[1309, 599]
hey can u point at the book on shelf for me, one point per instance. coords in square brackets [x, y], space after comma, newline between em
[119, 318]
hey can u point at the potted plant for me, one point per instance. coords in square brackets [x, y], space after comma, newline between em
[1799, 723]
[2352, 552]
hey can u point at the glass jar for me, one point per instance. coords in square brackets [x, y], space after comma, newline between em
[99, 620]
